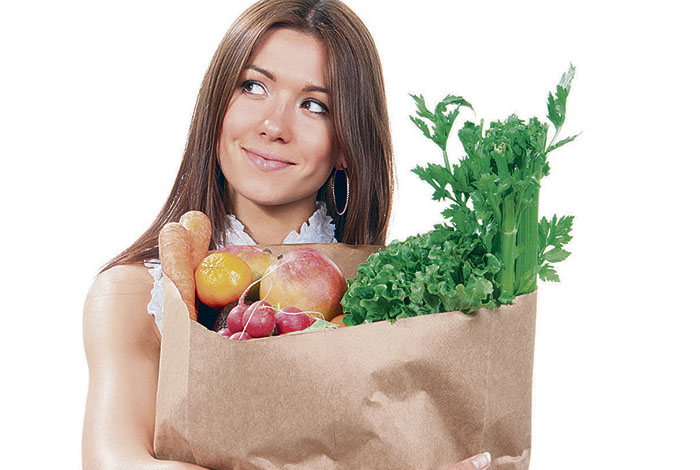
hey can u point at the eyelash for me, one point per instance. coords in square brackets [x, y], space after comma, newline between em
[247, 83]
[323, 106]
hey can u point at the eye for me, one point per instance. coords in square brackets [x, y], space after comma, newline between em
[253, 88]
[315, 107]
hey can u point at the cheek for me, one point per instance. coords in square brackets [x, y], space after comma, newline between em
[233, 126]
[233, 129]
[318, 144]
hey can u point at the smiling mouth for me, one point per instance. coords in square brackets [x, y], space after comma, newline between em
[266, 162]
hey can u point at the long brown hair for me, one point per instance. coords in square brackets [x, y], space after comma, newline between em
[359, 113]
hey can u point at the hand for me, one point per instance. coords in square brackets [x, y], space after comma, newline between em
[477, 462]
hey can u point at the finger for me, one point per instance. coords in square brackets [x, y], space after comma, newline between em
[478, 462]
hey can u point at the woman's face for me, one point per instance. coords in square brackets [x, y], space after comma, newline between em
[277, 143]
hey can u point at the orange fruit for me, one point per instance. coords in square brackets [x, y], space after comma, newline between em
[221, 278]
[339, 321]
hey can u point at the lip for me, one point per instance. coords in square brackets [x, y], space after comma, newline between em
[266, 161]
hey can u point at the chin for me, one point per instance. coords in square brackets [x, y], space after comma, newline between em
[270, 196]
[270, 190]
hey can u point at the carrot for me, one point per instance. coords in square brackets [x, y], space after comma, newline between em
[199, 228]
[174, 248]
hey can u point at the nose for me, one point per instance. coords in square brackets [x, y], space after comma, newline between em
[275, 124]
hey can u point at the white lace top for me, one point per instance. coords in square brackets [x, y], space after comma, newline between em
[318, 229]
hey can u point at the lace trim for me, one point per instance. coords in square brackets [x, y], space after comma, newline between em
[318, 229]
[155, 305]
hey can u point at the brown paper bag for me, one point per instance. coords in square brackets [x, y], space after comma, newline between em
[421, 393]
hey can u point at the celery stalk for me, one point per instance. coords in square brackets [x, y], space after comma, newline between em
[528, 240]
[508, 247]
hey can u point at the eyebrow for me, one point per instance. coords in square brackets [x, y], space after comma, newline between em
[308, 88]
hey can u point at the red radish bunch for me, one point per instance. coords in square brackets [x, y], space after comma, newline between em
[259, 320]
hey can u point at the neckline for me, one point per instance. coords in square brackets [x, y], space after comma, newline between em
[319, 228]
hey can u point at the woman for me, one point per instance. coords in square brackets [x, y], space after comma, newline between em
[290, 123]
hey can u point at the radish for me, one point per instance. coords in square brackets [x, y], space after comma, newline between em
[234, 320]
[292, 319]
[241, 336]
[225, 332]
[259, 319]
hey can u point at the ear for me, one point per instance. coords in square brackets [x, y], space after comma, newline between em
[340, 162]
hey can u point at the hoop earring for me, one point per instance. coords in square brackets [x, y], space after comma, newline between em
[347, 191]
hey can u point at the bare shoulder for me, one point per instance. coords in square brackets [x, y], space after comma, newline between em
[122, 280]
[115, 315]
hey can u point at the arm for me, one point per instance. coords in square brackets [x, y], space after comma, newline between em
[122, 345]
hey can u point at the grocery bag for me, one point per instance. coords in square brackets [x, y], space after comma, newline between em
[420, 393]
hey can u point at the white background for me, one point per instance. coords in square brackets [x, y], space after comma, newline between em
[96, 99]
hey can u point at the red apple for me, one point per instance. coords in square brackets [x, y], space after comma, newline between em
[307, 279]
